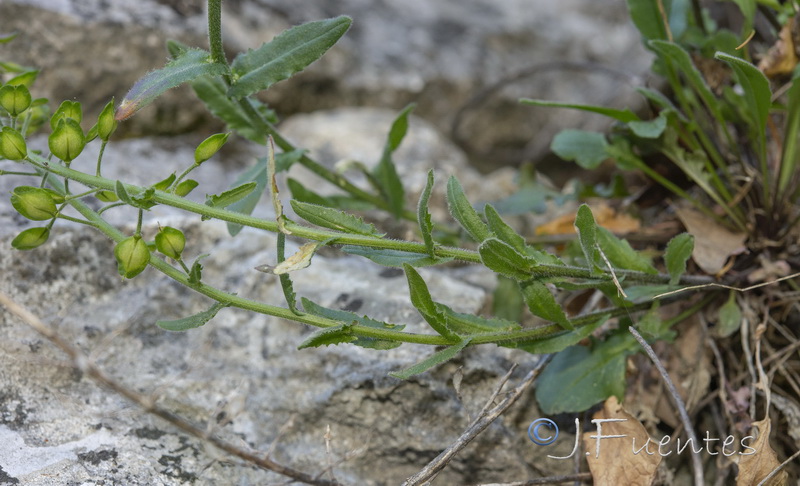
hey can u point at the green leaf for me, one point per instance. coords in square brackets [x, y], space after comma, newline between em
[193, 321]
[471, 324]
[394, 258]
[756, 93]
[190, 64]
[623, 116]
[213, 92]
[385, 173]
[284, 278]
[185, 187]
[436, 359]
[730, 317]
[620, 253]
[196, 271]
[789, 159]
[587, 235]
[230, 196]
[330, 335]
[143, 200]
[163, 185]
[647, 18]
[285, 55]
[542, 303]
[422, 301]
[679, 250]
[650, 128]
[303, 194]
[502, 230]
[258, 174]
[464, 213]
[507, 301]
[577, 378]
[559, 342]
[333, 219]
[352, 318]
[587, 149]
[501, 258]
[424, 216]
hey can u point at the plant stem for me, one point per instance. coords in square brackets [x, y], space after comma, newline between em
[215, 31]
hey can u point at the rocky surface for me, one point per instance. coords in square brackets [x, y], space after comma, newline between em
[438, 54]
[240, 375]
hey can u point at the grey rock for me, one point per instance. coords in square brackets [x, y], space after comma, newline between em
[241, 374]
[438, 54]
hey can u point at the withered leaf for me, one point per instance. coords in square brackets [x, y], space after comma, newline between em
[756, 466]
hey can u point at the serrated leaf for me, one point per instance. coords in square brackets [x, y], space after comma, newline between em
[394, 258]
[559, 342]
[258, 174]
[587, 149]
[230, 196]
[385, 173]
[421, 300]
[333, 219]
[213, 92]
[502, 230]
[623, 116]
[196, 271]
[190, 64]
[424, 216]
[620, 253]
[352, 318]
[587, 235]
[465, 324]
[436, 359]
[330, 335]
[679, 250]
[542, 303]
[285, 55]
[577, 378]
[193, 321]
[730, 317]
[464, 213]
[501, 258]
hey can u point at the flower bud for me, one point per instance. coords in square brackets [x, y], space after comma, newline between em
[170, 242]
[68, 109]
[209, 147]
[106, 124]
[34, 203]
[67, 140]
[132, 256]
[15, 99]
[12, 145]
[31, 238]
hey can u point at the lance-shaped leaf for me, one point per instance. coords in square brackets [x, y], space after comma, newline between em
[213, 92]
[143, 200]
[257, 174]
[679, 250]
[285, 55]
[424, 216]
[623, 116]
[394, 258]
[385, 173]
[190, 64]
[503, 231]
[500, 257]
[647, 17]
[542, 303]
[230, 196]
[465, 324]
[558, 342]
[464, 213]
[193, 321]
[333, 219]
[436, 359]
[422, 301]
[620, 254]
[352, 318]
[587, 235]
[342, 333]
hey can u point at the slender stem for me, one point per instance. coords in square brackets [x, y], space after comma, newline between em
[215, 31]
[139, 223]
[11, 172]
[100, 157]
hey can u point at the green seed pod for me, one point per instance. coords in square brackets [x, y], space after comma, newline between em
[106, 124]
[34, 203]
[15, 99]
[12, 145]
[67, 140]
[170, 242]
[31, 238]
[132, 256]
[209, 147]
[68, 109]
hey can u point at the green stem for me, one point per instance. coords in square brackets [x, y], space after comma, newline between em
[100, 157]
[215, 31]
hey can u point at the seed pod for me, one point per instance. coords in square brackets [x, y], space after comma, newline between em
[68, 109]
[31, 238]
[209, 147]
[15, 99]
[35, 203]
[170, 242]
[12, 144]
[106, 124]
[67, 140]
[132, 256]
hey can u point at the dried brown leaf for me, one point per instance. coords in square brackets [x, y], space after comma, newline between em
[781, 58]
[301, 259]
[756, 466]
[604, 215]
[617, 462]
[713, 243]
